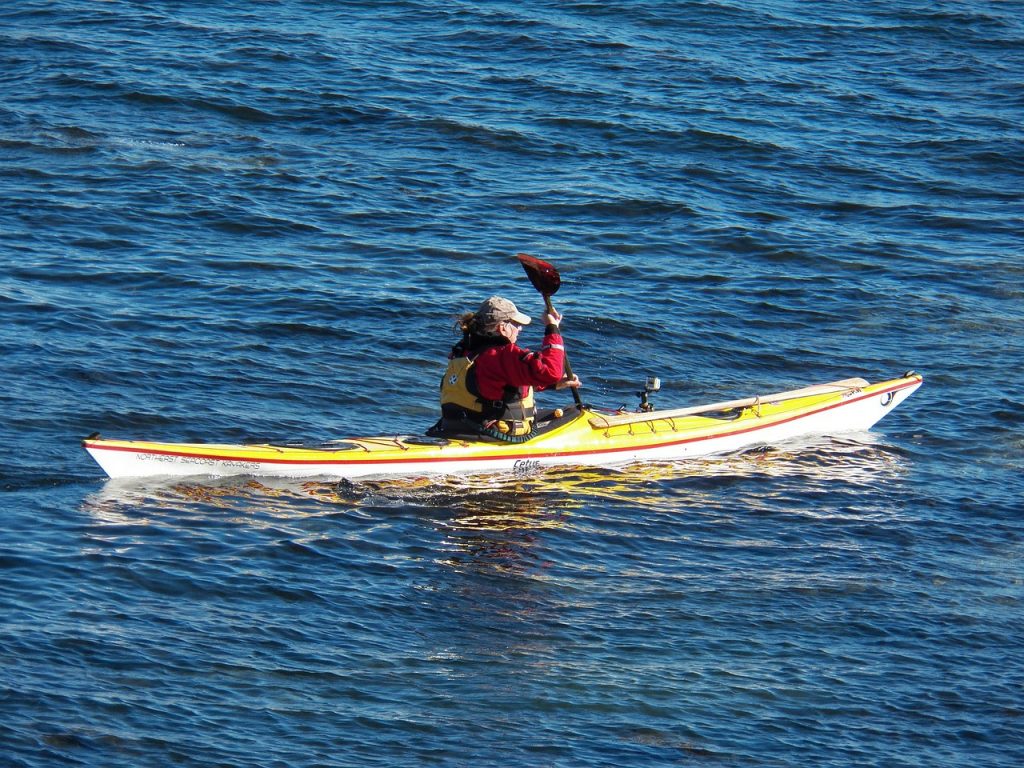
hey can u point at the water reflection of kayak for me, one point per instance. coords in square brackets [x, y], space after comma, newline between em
[579, 436]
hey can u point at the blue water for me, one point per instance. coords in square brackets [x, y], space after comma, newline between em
[232, 221]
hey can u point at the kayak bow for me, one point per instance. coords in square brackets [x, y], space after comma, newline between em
[580, 437]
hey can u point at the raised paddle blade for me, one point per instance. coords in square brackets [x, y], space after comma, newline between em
[544, 276]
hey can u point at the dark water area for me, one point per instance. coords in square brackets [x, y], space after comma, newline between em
[236, 221]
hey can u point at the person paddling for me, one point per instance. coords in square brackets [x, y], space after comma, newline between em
[488, 386]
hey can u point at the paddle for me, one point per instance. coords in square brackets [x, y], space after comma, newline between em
[547, 281]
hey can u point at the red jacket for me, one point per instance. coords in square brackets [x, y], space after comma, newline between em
[511, 365]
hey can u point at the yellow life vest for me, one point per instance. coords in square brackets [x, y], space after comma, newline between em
[455, 387]
[513, 415]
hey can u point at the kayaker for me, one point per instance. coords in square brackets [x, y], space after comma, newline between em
[488, 386]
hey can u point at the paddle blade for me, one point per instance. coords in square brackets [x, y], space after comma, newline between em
[544, 276]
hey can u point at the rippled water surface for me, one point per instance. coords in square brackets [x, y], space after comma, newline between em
[234, 221]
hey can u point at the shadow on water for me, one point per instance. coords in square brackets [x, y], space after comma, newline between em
[515, 589]
[495, 540]
[497, 503]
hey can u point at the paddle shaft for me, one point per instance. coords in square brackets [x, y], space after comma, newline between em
[565, 357]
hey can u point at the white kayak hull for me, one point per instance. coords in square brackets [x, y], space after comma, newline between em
[581, 438]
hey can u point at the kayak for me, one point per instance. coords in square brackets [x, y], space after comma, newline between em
[577, 436]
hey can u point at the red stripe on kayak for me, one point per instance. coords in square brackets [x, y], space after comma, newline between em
[491, 457]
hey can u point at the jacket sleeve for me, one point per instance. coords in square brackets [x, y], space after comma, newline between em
[541, 369]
